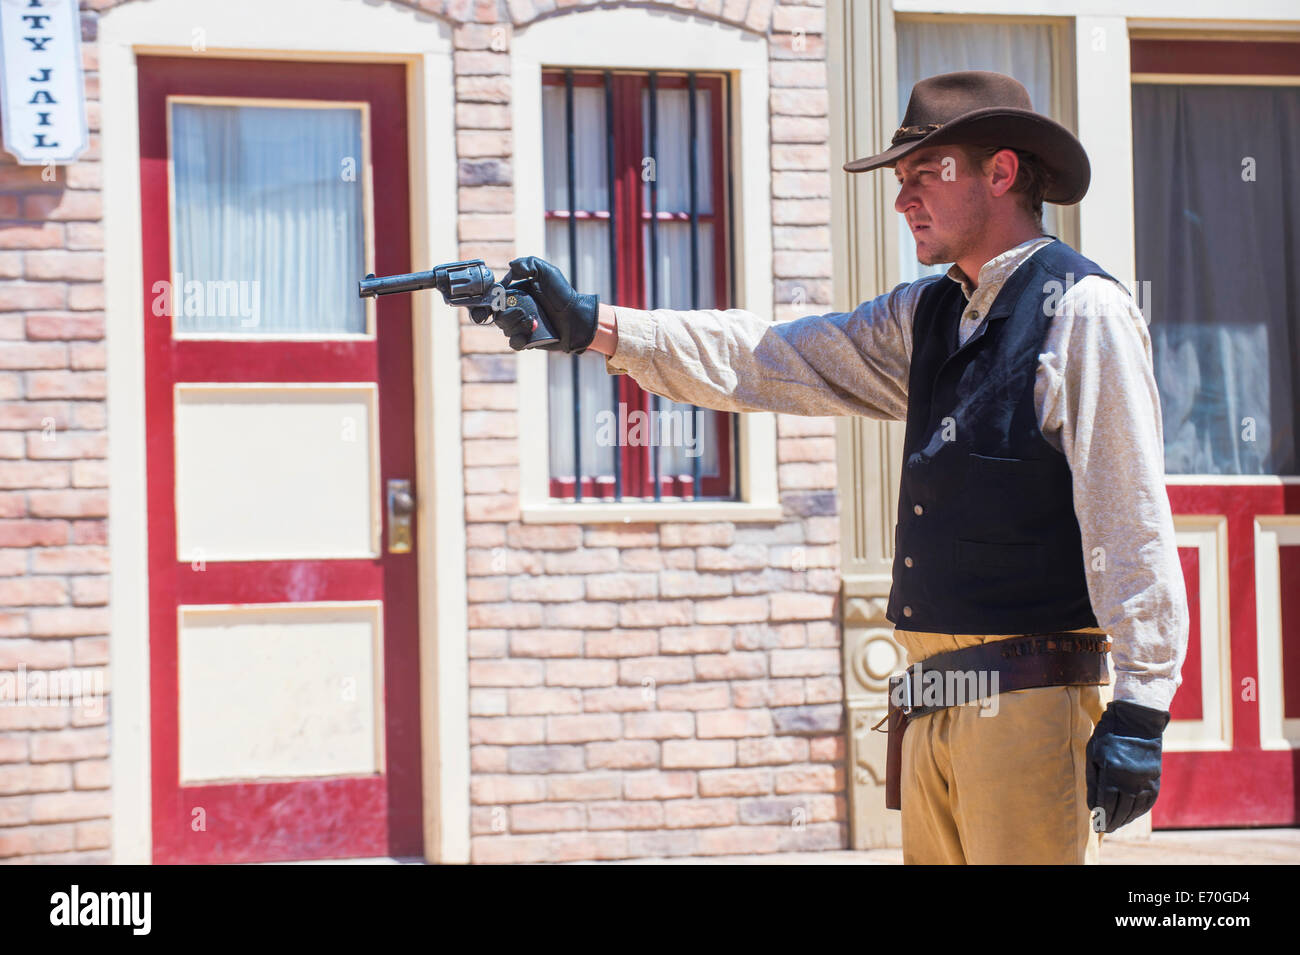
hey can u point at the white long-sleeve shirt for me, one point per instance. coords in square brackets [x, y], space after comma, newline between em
[1094, 390]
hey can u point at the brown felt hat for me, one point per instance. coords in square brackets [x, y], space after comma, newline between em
[977, 108]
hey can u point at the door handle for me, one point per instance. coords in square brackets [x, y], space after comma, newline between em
[401, 508]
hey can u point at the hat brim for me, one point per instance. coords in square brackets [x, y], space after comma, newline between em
[1058, 149]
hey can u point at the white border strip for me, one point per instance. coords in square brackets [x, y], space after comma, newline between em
[1272, 533]
[1213, 731]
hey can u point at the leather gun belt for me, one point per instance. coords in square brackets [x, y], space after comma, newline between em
[962, 676]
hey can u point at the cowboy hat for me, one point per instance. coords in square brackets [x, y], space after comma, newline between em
[978, 108]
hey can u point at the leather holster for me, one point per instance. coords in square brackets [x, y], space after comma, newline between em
[897, 724]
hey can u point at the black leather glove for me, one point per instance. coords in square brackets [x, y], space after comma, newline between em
[572, 316]
[1123, 763]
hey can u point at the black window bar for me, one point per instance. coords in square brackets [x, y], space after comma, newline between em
[614, 380]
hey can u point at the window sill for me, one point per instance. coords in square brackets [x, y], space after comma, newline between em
[642, 513]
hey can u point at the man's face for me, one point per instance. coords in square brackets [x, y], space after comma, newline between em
[944, 201]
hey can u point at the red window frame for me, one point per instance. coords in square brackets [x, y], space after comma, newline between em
[630, 214]
[1215, 57]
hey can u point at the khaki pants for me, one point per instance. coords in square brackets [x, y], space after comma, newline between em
[1006, 788]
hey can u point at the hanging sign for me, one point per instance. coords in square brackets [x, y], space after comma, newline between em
[43, 103]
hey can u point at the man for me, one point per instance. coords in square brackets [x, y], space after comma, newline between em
[1032, 497]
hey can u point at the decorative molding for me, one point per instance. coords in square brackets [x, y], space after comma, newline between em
[862, 86]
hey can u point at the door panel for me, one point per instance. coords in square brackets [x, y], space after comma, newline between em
[1214, 125]
[283, 632]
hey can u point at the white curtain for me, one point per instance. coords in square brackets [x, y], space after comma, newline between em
[678, 441]
[269, 198]
[926, 49]
[672, 168]
[1218, 227]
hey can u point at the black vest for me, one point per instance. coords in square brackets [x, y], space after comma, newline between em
[987, 540]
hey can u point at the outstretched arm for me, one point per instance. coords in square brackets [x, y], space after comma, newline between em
[840, 363]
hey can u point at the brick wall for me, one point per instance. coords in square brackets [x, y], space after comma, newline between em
[650, 689]
[54, 768]
[653, 689]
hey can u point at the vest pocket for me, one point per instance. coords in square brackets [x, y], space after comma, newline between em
[982, 465]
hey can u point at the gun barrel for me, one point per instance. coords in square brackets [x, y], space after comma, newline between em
[373, 285]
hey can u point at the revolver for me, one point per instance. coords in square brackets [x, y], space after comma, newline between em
[467, 285]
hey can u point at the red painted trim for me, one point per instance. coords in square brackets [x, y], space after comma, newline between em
[270, 822]
[1187, 704]
[633, 282]
[1229, 57]
[1247, 786]
[1205, 790]
[245, 361]
[274, 581]
[347, 816]
[1289, 561]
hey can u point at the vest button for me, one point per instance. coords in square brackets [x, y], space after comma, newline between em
[907, 611]
[907, 561]
[918, 509]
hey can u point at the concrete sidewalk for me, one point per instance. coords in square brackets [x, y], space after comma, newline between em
[1166, 847]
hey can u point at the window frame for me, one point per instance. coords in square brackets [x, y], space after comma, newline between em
[1183, 58]
[638, 39]
[630, 214]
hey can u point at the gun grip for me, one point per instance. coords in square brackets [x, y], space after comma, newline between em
[543, 334]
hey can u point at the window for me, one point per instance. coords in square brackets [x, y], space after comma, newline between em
[1217, 221]
[637, 211]
[262, 190]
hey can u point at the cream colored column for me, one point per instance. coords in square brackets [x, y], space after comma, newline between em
[862, 78]
[1106, 232]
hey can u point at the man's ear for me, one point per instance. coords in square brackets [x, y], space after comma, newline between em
[1003, 166]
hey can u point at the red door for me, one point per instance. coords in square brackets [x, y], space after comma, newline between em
[1214, 131]
[283, 607]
